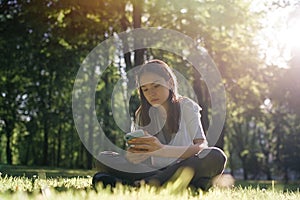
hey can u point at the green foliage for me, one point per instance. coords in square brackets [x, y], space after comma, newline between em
[43, 43]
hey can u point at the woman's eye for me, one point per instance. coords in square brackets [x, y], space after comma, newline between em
[156, 86]
[144, 90]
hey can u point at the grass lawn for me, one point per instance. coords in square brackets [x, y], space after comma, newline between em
[35, 183]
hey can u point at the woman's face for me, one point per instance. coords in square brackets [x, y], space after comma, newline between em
[155, 88]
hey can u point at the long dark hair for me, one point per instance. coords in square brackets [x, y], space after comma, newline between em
[173, 113]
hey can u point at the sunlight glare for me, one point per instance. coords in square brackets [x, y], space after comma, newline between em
[291, 36]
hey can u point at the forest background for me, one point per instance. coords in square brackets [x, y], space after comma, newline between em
[253, 44]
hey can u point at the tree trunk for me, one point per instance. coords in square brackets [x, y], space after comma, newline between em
[58, 146]
[8, 132]
[137, 23]
[91, 123]
[45, 146]
[8, 149]
[125, 25]
[245, 171]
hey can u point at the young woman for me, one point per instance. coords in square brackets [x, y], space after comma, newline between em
[174, 138]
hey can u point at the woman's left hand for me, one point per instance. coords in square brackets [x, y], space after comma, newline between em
[144, 144]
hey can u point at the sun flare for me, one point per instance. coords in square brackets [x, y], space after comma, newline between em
[291, 35]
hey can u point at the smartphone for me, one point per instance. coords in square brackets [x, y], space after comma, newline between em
[134, 134]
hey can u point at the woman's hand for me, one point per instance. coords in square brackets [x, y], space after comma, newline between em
[140, 148]
[136, 158]
[146, 144]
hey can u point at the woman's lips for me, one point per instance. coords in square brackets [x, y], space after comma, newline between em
[154, 100]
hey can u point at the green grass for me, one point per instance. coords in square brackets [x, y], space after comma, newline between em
[270, 185]
[74, 187]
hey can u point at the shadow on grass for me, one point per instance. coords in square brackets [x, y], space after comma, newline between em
[25, 171]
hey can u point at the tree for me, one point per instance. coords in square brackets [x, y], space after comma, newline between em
[43, 44]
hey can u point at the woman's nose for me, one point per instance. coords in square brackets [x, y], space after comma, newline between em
[152, 92]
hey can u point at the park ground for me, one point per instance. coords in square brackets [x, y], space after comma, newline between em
[19, 182]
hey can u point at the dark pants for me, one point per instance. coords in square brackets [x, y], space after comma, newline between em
[206, 165]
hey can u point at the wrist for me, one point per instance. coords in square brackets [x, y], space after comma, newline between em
[161, 151]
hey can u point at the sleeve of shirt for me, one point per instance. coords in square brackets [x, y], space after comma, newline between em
[192, 117]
